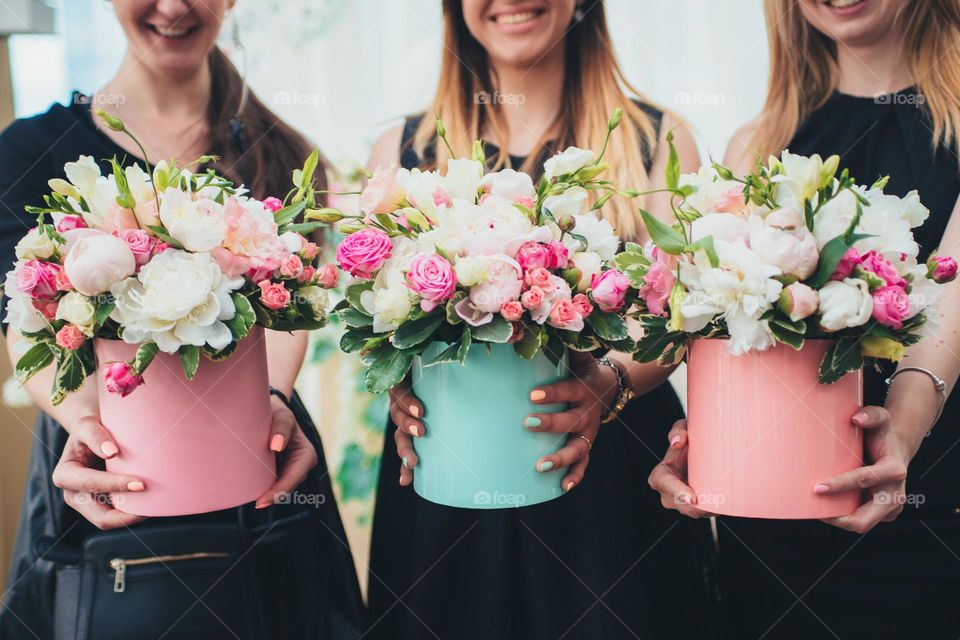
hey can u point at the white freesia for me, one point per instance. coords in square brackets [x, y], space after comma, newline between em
[83, 174]
[196, 224]
[845, 304]
[35, 245]
[799, 180]
[571, 202]
[462, 179]
[77, 309]
[178, 298]
[599, 234]
[142, 191]
[571, 160]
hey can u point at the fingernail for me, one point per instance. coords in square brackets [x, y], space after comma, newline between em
[860, 419]
[683, 498]
[532, 422]
[415, 431]
[262, 505]
[415, 411]
[276, 443]
[821, 488]
[109, 449]
[405, 462]
[537, 395]
[569, 486]
[136, 485]
[674, 441]
[546, 465]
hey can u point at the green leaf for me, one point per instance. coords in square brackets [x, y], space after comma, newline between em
[144, 356]
[553, 347]
[783, 332]
[190, 360]
[388, 367]
[656, 339]
[216, 356]
[705, 244]
[414, 332]
[842, 357]
[663, 235]
[529, 345]
[354, 291]
[289, 213]
[244, 318]
[608, 326]
[465, 343]
[830, 257]
[447, 356]
[161, 233]
[353, 340]
[73, 367]
[309, 167]
[673, 165]
[578, 341]
[103, 312]
[355, 319]
[497, 330]
[451, 308]
[37, 358]
[303, 228]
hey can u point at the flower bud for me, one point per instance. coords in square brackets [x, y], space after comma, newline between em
[941, 269]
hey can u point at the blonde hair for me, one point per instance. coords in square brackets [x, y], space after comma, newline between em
[594, 85]
[804, 73]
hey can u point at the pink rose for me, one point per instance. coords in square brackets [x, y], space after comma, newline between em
[532, 298]
[511, 310]
[47, 308]
[70, 337]
[306, 276]
[432, 277]
[328, 276]
[383, 194]
[291, 266]
[533, 255]
[503, 284]
[891, 306]
[540, 277]
[69, 222]
[846, 265]
[63, 282]
[582, 303]
[37, 279]
[140, 243]
[564, 315]
[272, 204]
[941, 269]
[273, 295]
[119, 377]
[881, 267]
[560, 255]
[659, 281]
[798, 301]
[97, 261]
[262, 270]
[364, 252]
[609, 288]
[309, 251]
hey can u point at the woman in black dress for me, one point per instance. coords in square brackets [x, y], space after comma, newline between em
[601, 561]
[875, 83]
[183, 98]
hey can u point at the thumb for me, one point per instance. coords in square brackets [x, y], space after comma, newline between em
[92, 434]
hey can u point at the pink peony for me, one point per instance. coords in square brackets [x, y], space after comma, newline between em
[511, 310]
[891, 306]
[140, 243]
[70, 337]
[273, 295]
[564, 315]
[291, 266]
[582, 303]
[119, 377]
[432, 277]
[37, 279]
[881, 267]
[117, 219]
[659, 281]
[97, 261]
[502, 284]
[846, 265]
[364, 252]
[69, 222]
[533, 255]
[328, 276]
[941, 269]
[609, 288]
[262, 270]
[532, 298]
[272, 204]
[250, 233]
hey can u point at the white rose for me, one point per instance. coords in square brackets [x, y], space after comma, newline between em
[316, 297]
[590, 263]
[177, 298]
[572, 202]
[509, 184]
[845, 304]
[470, 270]
[392, 305]
[77, 309]
[599, 234]
[35, 245]
[462, 179]
[196, 224]
[570, 160]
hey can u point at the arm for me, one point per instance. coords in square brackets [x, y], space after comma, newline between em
[740, 157]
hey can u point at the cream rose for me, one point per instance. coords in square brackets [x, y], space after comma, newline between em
[77, 309]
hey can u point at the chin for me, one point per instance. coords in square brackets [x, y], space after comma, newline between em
[852, 22]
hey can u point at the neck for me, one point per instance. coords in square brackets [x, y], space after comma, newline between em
[530, 99]
[873, 69]
[151, 95]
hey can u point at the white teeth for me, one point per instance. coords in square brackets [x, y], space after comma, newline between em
[171, 32]
[516, 18]
[842, 4]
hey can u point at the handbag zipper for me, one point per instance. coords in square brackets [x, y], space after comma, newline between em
[119, 565]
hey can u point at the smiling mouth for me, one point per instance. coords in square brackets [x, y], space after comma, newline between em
[519, 17]
[172, 32]
[842, 4]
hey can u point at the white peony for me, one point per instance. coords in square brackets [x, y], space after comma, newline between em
[77, 309]
[845, 304]
[198, 225]
[462, 179]
[178, 298]
[35, 245]
[508, 184]
[569, 161]
[784, 241]
[721, 226]
[599, 233]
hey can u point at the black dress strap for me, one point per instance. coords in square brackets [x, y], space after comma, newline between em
[409, 159]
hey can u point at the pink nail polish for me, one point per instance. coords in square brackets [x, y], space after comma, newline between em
[569, 486]
[860, 419]
[136, 485]
[415, 431]
[537, 395]
[683, 498]
[260, 505]
[109, 449]
[276, 443]
[674, 441]
[415, 411]
[821, 489]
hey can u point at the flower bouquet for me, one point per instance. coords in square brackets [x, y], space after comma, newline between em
[479, 283]
[782, 285]
[165, 278]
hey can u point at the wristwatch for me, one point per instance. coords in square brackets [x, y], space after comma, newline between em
[624, 390]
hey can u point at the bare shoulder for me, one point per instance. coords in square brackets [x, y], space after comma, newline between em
[386, 149]
[740, 155]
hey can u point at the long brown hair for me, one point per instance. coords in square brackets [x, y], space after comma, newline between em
[804, 73]
[255, 146]
[594, 85]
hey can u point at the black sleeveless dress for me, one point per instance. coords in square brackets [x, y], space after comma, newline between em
[902, 580]
[605, 561]
[309, 585]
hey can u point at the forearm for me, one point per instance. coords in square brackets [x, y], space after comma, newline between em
[285, 353]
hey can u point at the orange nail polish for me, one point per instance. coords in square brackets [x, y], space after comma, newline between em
[860, 419]
[276, 443]
[109, 449]
[136, 485]
[537, 395]
[261, 505]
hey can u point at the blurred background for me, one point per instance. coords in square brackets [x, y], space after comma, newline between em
[342, 72]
